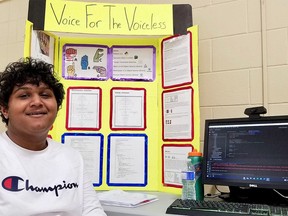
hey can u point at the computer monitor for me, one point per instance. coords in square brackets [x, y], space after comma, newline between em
[247, 154]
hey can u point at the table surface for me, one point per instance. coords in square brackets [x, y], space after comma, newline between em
[156, 208]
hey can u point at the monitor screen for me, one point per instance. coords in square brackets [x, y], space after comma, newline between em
[246, 152]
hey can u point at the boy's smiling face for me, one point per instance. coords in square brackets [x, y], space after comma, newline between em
[31, 109]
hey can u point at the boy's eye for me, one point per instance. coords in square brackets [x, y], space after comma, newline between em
[23, 95]
[46, 94]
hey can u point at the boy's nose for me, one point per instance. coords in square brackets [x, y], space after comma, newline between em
[36, 100]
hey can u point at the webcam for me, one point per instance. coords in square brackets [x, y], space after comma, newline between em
[254, 112]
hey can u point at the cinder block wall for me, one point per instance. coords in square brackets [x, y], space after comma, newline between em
[243, 57]
[243, 52]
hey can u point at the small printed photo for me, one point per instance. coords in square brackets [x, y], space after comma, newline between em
[44, 42]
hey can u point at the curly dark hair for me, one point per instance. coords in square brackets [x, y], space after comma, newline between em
[31, 71]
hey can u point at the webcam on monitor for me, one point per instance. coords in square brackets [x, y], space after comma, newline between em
[255, 112]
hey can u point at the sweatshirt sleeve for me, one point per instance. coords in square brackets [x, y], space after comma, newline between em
[91, 203]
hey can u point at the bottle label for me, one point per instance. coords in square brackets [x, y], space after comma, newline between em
[188, 185]
[188, 175]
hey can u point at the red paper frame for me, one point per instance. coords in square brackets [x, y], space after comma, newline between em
[67, 109]
[192, 113]
[112, 105]
[162, 154]
[191, 62]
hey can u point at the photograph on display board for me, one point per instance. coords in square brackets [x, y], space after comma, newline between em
[85, 62]
[42, 46]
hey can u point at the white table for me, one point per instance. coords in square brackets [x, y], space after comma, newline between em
[157, 208]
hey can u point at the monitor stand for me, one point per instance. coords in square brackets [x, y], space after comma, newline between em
[256, 195]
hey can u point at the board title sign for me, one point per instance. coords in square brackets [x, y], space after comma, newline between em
[100, 18]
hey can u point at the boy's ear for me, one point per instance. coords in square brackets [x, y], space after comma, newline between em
[4, 111]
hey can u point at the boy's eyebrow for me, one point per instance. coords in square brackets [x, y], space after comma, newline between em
[17, 88]
[25, 87]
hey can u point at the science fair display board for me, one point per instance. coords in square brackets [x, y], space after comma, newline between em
[131, 80]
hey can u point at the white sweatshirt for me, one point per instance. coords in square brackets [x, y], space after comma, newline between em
[51, 182]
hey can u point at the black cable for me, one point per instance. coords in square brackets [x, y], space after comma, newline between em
[285, 197]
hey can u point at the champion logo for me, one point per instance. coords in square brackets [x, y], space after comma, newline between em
[11, 183]
[16, 184]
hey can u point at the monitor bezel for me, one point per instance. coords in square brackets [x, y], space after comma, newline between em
[229, 183]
